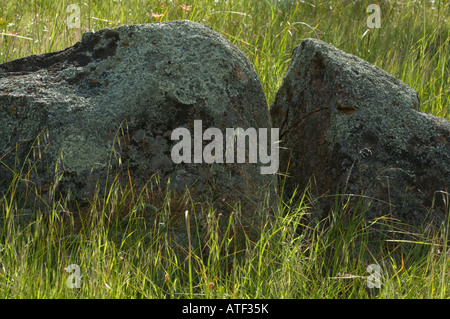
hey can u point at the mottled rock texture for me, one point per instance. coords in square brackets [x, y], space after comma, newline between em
[108, 105]
[352, 128]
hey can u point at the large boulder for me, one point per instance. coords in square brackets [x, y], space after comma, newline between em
[108, 105]
[350, 128]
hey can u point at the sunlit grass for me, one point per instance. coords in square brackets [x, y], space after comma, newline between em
[412, 43]
[137, 257]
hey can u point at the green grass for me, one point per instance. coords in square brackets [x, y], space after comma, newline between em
[293, 256]
[136, 257]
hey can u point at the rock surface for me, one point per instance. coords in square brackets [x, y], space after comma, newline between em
[355, 129]
[109, 104]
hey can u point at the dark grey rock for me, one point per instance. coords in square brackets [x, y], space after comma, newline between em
[109, 103]
[351, 128]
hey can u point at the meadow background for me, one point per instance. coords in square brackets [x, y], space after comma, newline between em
[328, 259]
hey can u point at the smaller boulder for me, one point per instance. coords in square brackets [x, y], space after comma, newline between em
[352, 129]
